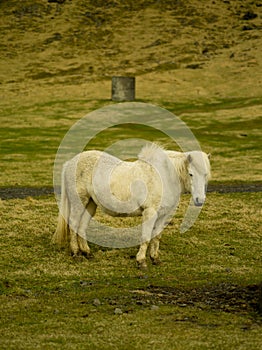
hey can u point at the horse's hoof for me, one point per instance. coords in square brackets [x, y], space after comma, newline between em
[77, 257]
[142, 265]
[87, 255]
[156, 261]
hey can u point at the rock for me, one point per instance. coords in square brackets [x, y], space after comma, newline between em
[118, 311]
[154, 307]
[96, 302]
[83, 283]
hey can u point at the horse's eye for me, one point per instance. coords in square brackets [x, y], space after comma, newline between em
[191, 175]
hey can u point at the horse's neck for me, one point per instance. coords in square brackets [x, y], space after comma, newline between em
[166, 168]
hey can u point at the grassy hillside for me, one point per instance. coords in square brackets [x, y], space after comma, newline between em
[179, 50]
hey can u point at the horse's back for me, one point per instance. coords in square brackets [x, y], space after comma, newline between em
[132, 178]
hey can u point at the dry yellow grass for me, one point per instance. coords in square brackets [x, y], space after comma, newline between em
[72, 50]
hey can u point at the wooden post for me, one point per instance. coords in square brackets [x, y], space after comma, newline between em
[123, 88]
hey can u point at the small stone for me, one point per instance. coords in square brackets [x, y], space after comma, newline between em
[118, 311]
[154, 307]
[96, 302]
[182, 305]
[83, 283]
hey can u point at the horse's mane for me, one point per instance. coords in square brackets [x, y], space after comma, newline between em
[180, 164]
[181, 161]
[178, 159]
[150, 151]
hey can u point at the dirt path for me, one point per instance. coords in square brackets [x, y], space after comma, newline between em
[224, 297]
[24, 192]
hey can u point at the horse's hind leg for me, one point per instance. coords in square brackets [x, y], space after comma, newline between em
[83, 246]
[154, 250]
[77, 211]
[83, 226]
[78, 245]
[74, 247]
[149, 218]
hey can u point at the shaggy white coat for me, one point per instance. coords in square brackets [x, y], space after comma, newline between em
[150, 186]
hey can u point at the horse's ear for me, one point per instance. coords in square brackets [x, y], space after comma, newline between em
[209, 155]
[189, 158]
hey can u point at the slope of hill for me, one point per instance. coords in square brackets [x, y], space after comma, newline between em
[177, 49]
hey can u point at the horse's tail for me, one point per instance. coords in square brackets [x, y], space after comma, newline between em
[62, 233]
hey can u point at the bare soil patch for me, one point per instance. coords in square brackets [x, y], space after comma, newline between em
[224, 297]
[24, 192]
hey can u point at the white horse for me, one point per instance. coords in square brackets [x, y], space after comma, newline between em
[150, 186]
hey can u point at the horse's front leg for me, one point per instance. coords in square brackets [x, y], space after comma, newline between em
[157, 233]
[141, 256]
[149, 218]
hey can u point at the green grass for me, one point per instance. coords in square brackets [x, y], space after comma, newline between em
[31, 134]
[48, 300]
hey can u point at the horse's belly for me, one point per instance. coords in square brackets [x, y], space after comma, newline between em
[110, 212]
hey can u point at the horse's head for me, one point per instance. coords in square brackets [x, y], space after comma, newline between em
[198, 175]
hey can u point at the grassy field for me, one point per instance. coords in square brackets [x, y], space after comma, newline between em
[203, 296]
